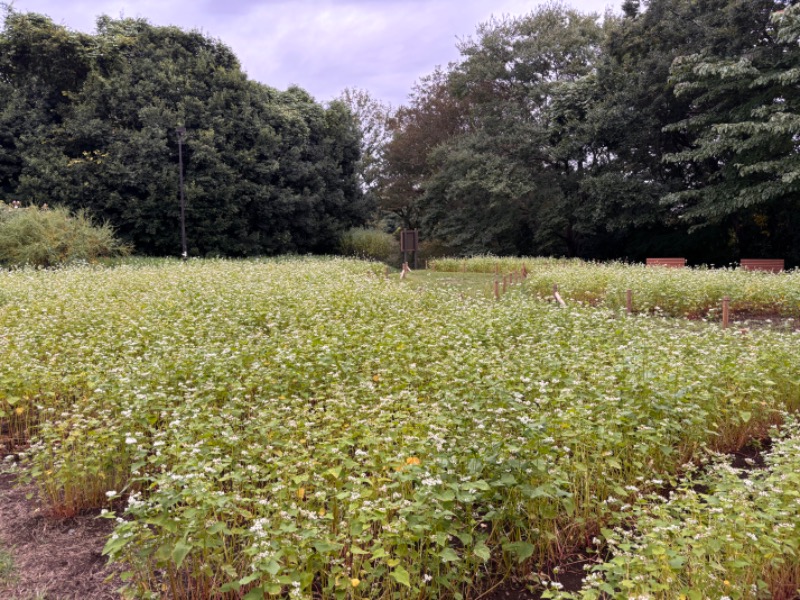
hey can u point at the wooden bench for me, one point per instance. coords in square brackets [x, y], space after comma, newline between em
[773, 265]
[675, 263]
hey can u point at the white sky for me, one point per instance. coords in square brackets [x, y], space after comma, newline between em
[323, 46]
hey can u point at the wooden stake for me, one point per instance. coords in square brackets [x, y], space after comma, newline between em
[405, 271]
[496, 289]
[558, 296]
[629, 301]
[726, 305]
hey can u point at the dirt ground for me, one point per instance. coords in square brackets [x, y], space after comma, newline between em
[53, 559]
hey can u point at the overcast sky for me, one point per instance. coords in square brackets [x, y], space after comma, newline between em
[382, 46]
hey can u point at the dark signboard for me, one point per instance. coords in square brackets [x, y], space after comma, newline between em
[409, 240]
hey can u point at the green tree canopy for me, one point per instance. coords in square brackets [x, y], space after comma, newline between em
[88, 121]
[744, 126]
[559, 133]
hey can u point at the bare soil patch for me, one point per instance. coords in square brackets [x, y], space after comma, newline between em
[53, 559]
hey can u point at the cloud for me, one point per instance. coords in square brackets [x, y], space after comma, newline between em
[383, 46]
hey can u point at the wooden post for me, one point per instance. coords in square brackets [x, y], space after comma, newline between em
[557, 296]
[726, 305]
[426, 264]
[496, 289]
[629, 301]
[524, 271]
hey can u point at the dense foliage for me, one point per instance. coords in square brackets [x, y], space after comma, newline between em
[309, 427]
[45, 237]
[372, 244]
[724, 533]
[668, 130]
[88, 122]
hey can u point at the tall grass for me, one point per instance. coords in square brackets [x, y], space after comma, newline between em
[46, 237]
[371, 244]
[692, 292]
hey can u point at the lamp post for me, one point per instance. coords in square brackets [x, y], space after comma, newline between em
[181, 131]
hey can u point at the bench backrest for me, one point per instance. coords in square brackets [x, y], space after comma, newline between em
[773, 265]
[675, 263]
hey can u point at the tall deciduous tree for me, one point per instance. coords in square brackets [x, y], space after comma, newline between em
[504, 183]
[373, 119]
[432, 117]
[744, 125]
[638, 104]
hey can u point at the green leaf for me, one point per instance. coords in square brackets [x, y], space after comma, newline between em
[482, 551]
[257, 593]
[229, 570]
[273, 567]
[325, 547]
[218, 527]
[231, 586]
[449, 555]
[521, 550]
[179, 553]
[400, 575]
[677, 562]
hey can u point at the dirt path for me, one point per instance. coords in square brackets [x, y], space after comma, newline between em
[53, 559]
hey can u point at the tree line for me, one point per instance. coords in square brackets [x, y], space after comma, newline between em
[89, 122]
[671, 128]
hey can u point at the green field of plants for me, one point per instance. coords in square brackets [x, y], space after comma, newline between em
[310, 428]
[695, 292]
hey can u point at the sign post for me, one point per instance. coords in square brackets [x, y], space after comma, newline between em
[409, 242]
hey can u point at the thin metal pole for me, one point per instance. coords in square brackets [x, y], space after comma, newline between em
[185, 252]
